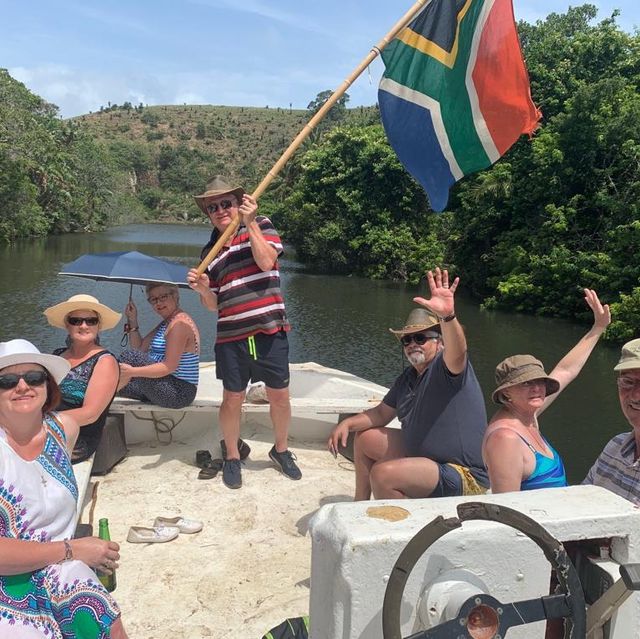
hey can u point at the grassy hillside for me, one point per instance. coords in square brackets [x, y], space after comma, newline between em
[171, 151]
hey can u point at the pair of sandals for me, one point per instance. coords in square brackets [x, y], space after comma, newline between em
[164, 529]
[210, 467]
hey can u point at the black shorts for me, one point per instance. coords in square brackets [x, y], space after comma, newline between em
[238, 363]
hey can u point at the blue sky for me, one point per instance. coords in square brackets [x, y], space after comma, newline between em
[82, 54]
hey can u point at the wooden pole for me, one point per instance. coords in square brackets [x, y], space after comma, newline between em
[313, 122]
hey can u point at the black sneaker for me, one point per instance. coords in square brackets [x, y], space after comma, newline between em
[231, 473]
[285, 463]
[243, 449]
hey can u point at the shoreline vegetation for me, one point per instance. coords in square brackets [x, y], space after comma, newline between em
[558, 213]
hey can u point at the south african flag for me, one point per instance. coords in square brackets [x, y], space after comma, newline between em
[455, 93]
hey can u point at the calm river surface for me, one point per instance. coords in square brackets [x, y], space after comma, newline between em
[340, 322]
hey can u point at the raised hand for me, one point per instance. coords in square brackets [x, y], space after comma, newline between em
[442, 293]
[248, 209]
[601, 312]
[199, 283]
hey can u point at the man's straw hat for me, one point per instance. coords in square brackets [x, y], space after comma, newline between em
[420, 319]
[216, 187]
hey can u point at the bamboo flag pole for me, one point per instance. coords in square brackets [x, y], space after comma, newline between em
[313, 122]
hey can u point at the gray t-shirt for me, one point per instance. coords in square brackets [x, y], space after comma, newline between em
[443, 416]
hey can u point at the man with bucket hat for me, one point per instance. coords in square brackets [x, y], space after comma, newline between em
[242, 284]
[617, 467]
[440, 407]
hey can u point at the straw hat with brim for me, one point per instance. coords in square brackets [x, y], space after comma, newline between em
[629, 357]
[216, 187]
[420, 319]
[518, 369]
[56, 314]
[20, 351]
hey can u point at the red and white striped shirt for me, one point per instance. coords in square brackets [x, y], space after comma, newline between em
[249, 299]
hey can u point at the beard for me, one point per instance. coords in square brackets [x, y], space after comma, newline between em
[417, 358]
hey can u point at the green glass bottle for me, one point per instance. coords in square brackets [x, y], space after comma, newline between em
[108, 581]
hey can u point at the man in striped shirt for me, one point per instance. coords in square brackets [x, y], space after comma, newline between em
[618, 467]
[243, 286]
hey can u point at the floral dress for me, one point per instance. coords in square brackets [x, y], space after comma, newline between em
[38, 503]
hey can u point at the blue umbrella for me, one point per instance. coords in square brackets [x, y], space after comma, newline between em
[128, 267]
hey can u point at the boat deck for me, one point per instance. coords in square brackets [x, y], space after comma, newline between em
[248, 569]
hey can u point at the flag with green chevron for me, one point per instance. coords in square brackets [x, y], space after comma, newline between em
[455, 93]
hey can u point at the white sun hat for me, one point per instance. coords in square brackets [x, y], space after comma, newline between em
[56, 314]
[21, 351]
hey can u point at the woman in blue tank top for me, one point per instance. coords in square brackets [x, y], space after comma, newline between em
[517, 456]
[162, 367]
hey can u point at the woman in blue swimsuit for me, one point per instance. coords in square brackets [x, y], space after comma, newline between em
[517, 456]
[162, 367]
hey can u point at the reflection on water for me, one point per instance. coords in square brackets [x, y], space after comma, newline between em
[341, 322]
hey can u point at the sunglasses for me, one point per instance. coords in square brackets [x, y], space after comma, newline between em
[627, 383]
[419, 338]
[160, 298]
[224, 205]
[31, 378]
[78, 321]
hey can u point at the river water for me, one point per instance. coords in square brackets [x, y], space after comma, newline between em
[341, 322]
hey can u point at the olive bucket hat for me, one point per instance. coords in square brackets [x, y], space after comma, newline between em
[629, 357]
[419, 319]
[216, 187]
[518, 369]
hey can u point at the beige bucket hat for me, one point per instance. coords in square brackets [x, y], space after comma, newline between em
[419, 319]
[21, 351]
[56, 314]
[216, 187]
[629, 356]
[521, 368]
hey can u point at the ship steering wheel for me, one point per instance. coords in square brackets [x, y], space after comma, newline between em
[483, 616]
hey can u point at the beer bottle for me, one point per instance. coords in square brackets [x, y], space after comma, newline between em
[108, 581]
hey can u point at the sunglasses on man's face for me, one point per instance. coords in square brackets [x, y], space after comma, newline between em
[628, 383]
[78, 321]
[419, 338]
[214, 206]
[31, 378]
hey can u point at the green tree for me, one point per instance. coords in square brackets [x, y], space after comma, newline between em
[355, 210]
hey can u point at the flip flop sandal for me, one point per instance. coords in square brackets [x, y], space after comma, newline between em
[202, 457]
[243, 449]
[210, 469]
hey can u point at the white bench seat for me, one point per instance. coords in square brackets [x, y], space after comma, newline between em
[123, 405]
[82, 471]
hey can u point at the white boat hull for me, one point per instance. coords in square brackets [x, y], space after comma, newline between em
[319, 396]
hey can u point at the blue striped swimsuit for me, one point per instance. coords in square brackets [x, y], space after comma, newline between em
[187, 370]
[548, 471]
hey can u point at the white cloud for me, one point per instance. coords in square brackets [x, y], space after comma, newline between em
[264, 10]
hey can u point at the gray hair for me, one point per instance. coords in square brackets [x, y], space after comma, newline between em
[172, 287]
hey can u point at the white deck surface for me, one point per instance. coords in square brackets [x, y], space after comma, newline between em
[249, 567]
